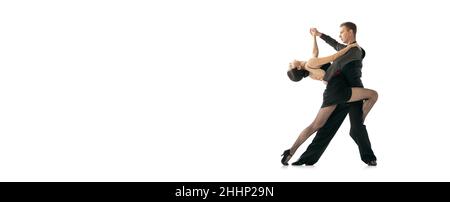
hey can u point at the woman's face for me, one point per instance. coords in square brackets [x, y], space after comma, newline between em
[302, 64]
[297, 64]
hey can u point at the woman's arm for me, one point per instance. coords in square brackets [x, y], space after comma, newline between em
[315, 63]
[315, 48]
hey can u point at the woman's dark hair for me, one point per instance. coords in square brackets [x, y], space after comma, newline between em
[297, 74]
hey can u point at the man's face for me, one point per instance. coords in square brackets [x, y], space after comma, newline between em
[346, 34]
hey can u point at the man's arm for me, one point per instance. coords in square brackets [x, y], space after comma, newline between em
[352, 55]
[332, 42]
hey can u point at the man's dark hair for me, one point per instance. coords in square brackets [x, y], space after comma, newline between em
[350, 25]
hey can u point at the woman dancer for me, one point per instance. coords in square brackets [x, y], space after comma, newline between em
[347, 95]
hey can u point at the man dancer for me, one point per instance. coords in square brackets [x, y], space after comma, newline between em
[344, 71]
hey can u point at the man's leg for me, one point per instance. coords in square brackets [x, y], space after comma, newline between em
[359, 133]
[323, 136]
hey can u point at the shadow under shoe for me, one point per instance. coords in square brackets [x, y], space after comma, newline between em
[300, 162]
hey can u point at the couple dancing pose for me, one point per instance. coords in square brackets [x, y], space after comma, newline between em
[344, 94]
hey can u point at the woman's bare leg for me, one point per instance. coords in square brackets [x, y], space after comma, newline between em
[369, 96]
[319, 121]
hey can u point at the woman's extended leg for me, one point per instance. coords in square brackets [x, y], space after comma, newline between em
[319, 121]
[369, 96]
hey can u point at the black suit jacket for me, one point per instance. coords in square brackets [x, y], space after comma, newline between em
[346, 70]
[340, 64]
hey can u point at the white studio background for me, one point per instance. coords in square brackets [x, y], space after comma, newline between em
[197, 90]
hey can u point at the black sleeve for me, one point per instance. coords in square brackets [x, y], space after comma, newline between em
[325, 66]
[333, 43]
[353, 72]
[339, 64]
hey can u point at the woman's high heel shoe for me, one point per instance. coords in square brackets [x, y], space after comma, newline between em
[285, 155]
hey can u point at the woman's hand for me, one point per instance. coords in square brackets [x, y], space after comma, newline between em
[353, 45]
[314, 32]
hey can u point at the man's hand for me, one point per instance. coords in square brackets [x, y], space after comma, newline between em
[315, 32]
